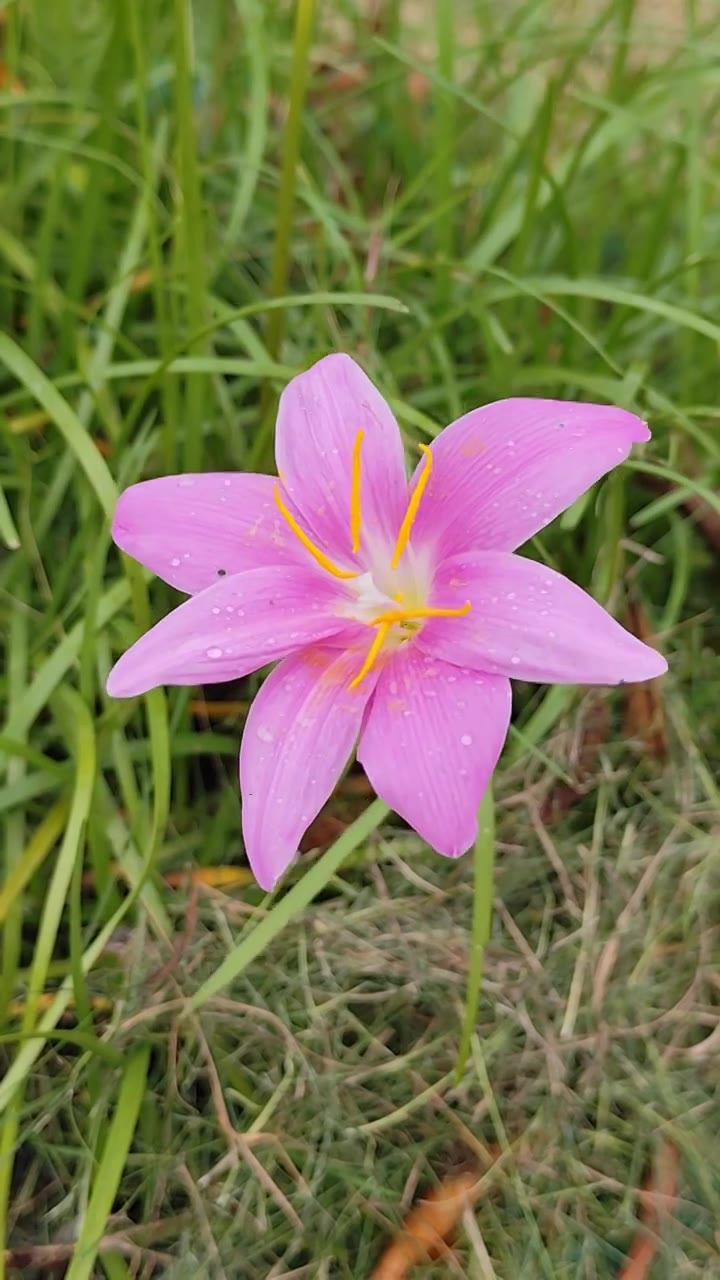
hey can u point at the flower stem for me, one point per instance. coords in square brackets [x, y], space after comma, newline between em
[483, 868]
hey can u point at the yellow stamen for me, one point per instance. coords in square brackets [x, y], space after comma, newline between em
[372, 653]
[404, 535]
[409, 615]
[315, 552]
[355, 512]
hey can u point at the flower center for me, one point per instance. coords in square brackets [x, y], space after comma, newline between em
[394, 623]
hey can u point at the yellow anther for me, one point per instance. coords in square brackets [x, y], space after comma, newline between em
[412, 509]
[372, 654]
[411, 615]
[315, 552]
[355, 509]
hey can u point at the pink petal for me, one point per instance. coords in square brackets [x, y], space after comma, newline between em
[237, 625]
[300, 731]
[320, 414]
[502, 472]
[190, 529]
[531, 623]
[432, 737]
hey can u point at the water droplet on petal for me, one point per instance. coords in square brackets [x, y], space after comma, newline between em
[264, 734]
[214, 653]
[515, 660]
[466, 740]
[215, 609]
[175, 562]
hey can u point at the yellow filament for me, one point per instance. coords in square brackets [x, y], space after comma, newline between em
[355, 510]
[409, 615]
[372, 653]
[413, 505]
[315, 552]
[388, 620]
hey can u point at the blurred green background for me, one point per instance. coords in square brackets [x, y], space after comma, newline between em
[475, 200]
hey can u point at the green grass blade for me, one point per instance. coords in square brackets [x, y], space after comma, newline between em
[66, 420]
[110, 1166]
[191, 239]
[304, 22]
[70, 849]
[295, 900]
[483, 889]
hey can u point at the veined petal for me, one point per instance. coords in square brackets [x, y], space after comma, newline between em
[298, 736]
[529, 622]
[191, 529]
[502, 472]
[237, 625]
[320, 414]
[432, 737]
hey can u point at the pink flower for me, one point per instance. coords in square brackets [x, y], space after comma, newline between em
[398, 611]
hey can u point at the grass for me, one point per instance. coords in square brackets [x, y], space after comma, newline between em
[521, 201]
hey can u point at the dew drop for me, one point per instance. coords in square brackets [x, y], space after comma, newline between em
[215, 609]
[515, 660]
[265, 735]
[175, 562]
[227, 483]
[214, 653]
[466, 740]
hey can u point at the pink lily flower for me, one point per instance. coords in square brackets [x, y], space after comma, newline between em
[399, 611]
